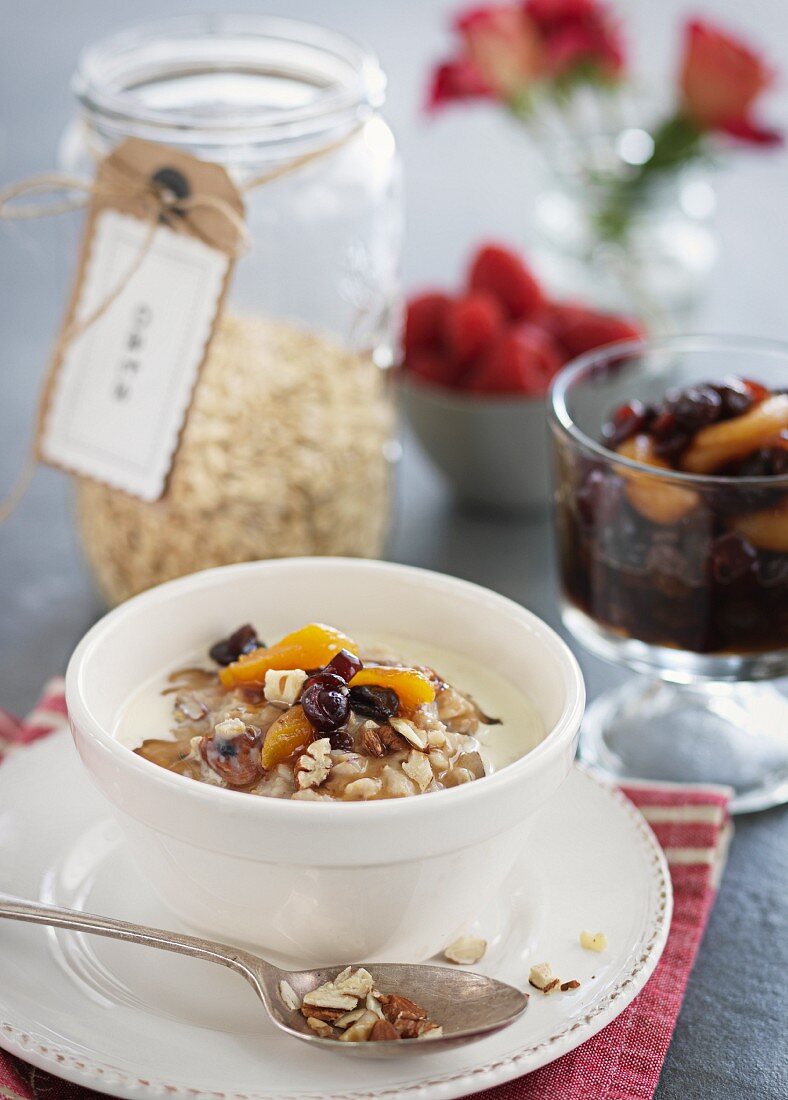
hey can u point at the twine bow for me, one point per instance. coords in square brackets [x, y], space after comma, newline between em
[160, 204]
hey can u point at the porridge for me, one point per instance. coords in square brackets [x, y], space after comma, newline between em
[316, 717]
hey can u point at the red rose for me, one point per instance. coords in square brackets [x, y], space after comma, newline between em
[575, 34]
[457, 80]
[720, 80]
[502, 46]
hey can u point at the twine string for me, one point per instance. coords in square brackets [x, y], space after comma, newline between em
[70, 193]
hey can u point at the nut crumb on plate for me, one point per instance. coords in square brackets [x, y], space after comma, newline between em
[542, 977]
[593, 941]
[466, 950]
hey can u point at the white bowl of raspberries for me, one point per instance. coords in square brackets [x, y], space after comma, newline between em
[475, 370]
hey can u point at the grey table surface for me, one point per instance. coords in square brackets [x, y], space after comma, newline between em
[730, 1041]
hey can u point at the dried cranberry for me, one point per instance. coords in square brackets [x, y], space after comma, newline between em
[235, 759]
[694, 407]
[732, 557]
[243, 640]
[345, 664]
[325, 679]
[626, 421]
[735, 397]
[379, 703]
[327, 708]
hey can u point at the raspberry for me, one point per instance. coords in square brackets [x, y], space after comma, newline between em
[523, 359]
[432, 366]
[424, 321]
[579, 329]
[501, 273]
[471, 323]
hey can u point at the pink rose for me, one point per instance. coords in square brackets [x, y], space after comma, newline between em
[502, 46]
[721, 79]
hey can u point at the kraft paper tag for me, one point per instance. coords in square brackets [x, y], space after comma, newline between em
[149, 289]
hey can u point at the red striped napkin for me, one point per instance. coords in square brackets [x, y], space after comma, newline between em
[624, 1060]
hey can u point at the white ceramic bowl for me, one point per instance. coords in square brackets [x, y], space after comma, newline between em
[494, 451]
[309, 881]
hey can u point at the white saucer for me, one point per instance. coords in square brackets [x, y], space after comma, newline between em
[133, 1022]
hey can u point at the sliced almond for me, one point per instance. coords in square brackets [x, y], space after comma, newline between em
[415, 737]
[360, 1031]
[289, 996]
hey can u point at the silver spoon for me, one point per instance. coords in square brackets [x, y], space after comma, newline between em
[466, 1005]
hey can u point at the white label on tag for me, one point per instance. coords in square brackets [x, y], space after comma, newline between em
[125, 382]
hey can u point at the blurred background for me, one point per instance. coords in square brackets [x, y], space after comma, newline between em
[453, 165]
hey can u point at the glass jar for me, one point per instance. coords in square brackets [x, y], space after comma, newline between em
[288, 445]
[646, 250]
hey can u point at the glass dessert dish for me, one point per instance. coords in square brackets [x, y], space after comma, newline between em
[672, 529]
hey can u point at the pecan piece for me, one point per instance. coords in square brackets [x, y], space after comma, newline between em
[400, 1008]
[383, 1031]
[370, 742]
[391, 739]
[329, 1015]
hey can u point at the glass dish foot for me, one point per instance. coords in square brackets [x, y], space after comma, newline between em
[734, 734]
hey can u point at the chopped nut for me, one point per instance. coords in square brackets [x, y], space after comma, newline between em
[330, 1015]
[289, 996]
[383, 1030]
[229, 728]
[370, 742]
[362, 789]
[349, 1018]
[542, 977]
[328, 997]
[313, 767]
[356, 983]
[283, 686]
[321, 1028]
[400, 1008]
[573, 984]
[391, 739]
[434, 1032]
[417, 767]
[361, 1030]
[413, 1029]
[409, 732]
[373, 1004]
[593, 941]
[466, 950]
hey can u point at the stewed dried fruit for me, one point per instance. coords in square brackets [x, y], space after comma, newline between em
[288, 735]
[327, 708]
[413, 688]
[312, 646]
[379, 703]
[243, 640]
[694, 562]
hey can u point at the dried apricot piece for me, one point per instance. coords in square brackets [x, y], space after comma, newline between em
[653, 497]
[767, 529]
[310, 647]
[289, 733]
[413, 687]
[715, 446]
